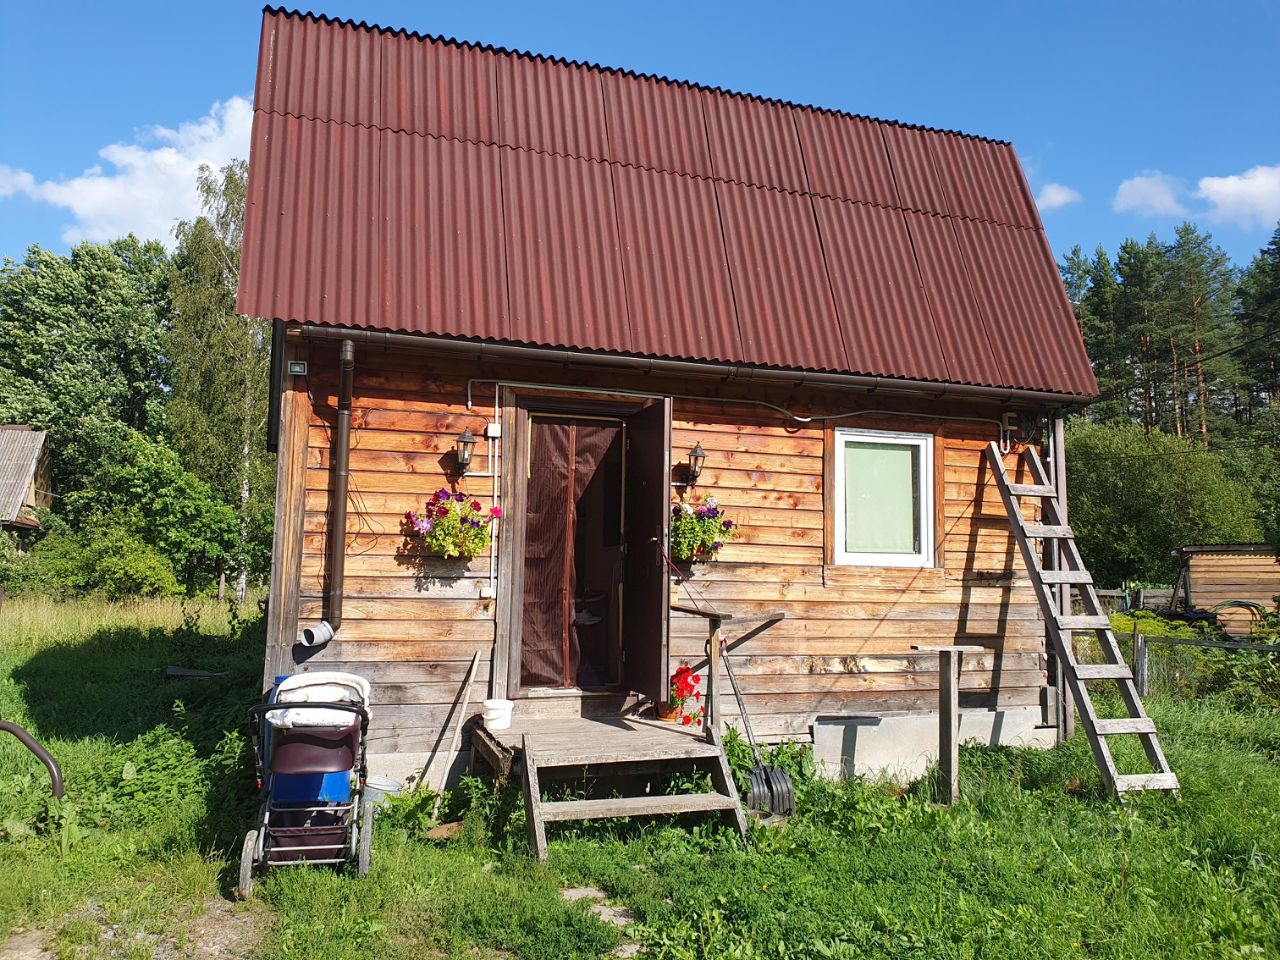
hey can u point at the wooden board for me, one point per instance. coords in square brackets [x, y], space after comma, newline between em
[845, 646]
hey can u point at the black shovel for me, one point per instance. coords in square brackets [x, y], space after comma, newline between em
[769, 788]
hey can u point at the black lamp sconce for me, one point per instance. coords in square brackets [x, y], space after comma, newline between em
[466, 444]
[697, 457]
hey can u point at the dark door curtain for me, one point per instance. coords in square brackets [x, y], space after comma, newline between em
[573, 557]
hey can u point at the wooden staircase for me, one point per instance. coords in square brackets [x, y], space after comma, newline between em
[1053, 590]
[644, 748]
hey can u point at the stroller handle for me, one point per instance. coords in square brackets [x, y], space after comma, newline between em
[260, 710]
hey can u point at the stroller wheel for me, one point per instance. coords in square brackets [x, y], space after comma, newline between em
[248, 860]
[365, 851]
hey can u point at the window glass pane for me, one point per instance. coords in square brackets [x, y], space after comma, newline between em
[882, 497]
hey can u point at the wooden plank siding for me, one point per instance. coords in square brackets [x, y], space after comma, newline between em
[1213, 578]
[845, 646]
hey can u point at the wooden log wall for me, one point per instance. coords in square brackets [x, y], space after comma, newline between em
[845, 647]
[1232, 575]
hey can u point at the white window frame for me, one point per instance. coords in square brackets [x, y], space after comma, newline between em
[924, 557]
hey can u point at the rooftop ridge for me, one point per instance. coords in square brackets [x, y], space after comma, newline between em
[621, 71]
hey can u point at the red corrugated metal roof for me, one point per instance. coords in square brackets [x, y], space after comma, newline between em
[417, 184]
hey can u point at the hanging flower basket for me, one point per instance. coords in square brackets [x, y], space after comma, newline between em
[699, 528]
[451, 525]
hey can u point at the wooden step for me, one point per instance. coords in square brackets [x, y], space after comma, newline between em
[1065, 576]
[1044, 531]
[1103, 671]
[1083, 623]
[1031, 490]
[636, 806]
[1110, 728]
[1128, 783]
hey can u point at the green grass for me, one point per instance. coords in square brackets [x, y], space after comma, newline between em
[1034, 862]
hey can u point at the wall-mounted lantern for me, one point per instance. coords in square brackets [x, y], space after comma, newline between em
[697, 457]
[466, 444]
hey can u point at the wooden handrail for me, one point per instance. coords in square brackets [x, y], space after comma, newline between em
[716, 646]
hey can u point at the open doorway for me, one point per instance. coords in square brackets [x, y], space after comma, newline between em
[571, 617]
[588, 585]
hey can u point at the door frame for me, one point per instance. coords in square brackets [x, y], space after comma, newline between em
[518, 407]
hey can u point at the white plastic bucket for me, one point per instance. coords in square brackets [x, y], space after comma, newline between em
[378, 788]
[497, 714]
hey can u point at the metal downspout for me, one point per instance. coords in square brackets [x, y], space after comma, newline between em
[341, 474]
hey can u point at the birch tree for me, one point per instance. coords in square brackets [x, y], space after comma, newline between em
[220, 360]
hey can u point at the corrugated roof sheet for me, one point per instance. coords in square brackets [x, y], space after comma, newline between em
[418, 184]
[19, 456]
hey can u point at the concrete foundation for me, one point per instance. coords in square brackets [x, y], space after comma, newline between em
[903, 747]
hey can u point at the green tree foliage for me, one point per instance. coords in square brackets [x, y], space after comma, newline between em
[218, 406]
[1136, 497]
[1184, 346]
[142, 493]
[80, 348]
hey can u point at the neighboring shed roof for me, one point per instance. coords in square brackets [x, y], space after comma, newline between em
[20, 449]
[417, 184]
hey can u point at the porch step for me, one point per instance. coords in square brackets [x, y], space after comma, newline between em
[636, 806]
[626, 748]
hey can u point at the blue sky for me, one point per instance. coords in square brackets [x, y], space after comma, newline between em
[1128, 116]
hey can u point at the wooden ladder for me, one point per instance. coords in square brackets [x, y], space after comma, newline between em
[641, 760]
[1053, 590]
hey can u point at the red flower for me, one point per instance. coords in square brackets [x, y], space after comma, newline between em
[442, 512]
[475, 504]
[697, 694]
[686, 720]
[408, 516]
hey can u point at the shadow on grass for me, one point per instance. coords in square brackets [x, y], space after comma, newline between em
[112, 685]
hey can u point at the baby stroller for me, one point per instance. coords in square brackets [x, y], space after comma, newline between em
[309, 747]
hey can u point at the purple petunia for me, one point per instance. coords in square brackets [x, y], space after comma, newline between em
[727, 524]
[460, 496]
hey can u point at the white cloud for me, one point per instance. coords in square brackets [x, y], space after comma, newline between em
[1055, 195]
[148, 185]
[1152, 193]
[1248, 199]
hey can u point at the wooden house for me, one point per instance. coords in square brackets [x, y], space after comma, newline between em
[25, 486]
[608, 280]
[1216, 574]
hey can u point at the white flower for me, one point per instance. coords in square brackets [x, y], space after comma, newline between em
[712, 502]
[687, 508]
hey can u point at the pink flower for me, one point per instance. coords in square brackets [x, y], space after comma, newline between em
[495, 512]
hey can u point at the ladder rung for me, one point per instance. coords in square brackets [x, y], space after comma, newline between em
[1109, 728]
[1103, 671]
[1127, 783]
[1031, 490]
[1083, 623]
[1044, 531]
[1065, 576]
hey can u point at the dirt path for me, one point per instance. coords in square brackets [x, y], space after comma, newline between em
[224, 931]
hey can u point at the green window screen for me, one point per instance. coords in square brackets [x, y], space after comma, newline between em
[881, 497]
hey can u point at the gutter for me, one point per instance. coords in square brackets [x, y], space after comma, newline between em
[340, 467]
[683, 368]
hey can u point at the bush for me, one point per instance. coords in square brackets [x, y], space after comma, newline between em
[123, 566]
